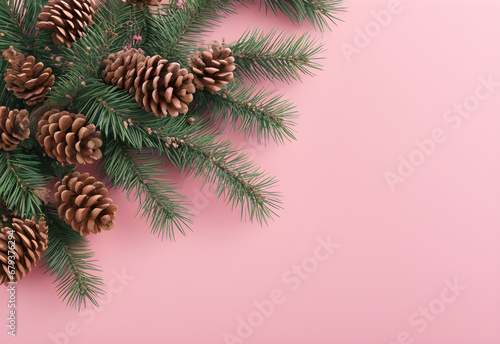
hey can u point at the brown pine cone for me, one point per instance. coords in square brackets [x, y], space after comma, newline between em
[160, 87]
[141, 3]
[213, 69]
[68, 138]
[26, 77]
[28, 241]
[14, 127]
[121, 68]
[67, 19]
[82, 203]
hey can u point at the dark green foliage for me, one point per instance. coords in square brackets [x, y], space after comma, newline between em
[20, 174]
[10, 27]
[70, 260]
[187, 27]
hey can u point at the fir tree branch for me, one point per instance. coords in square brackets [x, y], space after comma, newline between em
[114, 25]
[10, 27]
[6, 97]
[28, 15]
[230, 173]
[179, 34]
[261, 114]
[116, 114]
[20, 173]
[161, 205]
[318, 12]
[70, 259]
[275, 55]
[113, 111]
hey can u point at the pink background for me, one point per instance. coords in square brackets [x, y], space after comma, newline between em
[397, 248]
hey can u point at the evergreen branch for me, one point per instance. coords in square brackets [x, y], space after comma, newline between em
[161, 205]
[179, 34]
[28, 13]
[10, 28]
[318, 12]
[230, 173]
[113, 111]
[114, 25]
[116, 114]
[20, 173]
[261, 114]
[6, 97]
[70, 259]
[275, 55]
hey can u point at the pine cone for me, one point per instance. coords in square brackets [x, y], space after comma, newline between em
[141, 3]
[29, 243]
[213, 69]
[81, 203]
[161, 87]
[26, 78]
[67, 19]
[68, 138]
[14, 127]
[121, 68]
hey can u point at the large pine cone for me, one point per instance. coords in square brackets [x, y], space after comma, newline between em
[213, 69]
[30, 240]
[161, 87]
[14, 127]
[68, 138]
[26, 77]
[82, 203]
[67, 19]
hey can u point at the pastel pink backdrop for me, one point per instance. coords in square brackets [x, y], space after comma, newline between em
[397, 248]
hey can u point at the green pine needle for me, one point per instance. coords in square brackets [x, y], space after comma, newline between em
[256, 113]
[70, 260]
[179, 34]
[20, 173]
[142, 174]
[230, 173]
[317, 12]
[276, 55]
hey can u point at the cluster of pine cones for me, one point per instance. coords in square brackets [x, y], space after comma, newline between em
[165, 88]
[159, 86]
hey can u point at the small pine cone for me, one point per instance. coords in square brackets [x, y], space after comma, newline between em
[213, 69]
[26, 77]
[29, 243]
[160, 87]
[14, 127]
[67, 19]
[121, 68]
[68, 138]
[82, 203]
